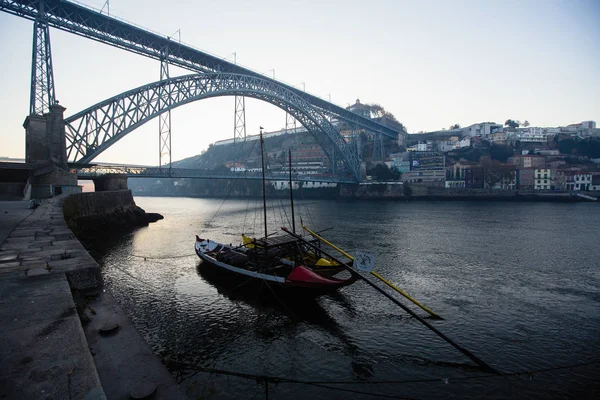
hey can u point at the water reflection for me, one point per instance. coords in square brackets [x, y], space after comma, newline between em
[286, 312]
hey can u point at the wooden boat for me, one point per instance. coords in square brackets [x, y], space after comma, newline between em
[267, 261]
[283, 260]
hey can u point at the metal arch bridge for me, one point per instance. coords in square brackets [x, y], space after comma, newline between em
[92, 171]
[84, 21]
[89, 23]
[93, 130]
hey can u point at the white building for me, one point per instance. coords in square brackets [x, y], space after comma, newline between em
[285, 185]
[483, 129]
[542, 179]
[579, 182]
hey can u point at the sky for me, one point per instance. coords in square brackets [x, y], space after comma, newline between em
[430, 63]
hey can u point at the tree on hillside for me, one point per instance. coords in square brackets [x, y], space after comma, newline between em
[511, 124]
[381, 172]
[492, 172]
[501, 153]
[377, 111]
[567, 146]
[455, 126]
[526, 123]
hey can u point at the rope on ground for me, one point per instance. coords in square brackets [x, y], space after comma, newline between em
[275, 379]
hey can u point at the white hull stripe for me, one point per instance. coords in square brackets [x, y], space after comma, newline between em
[240, 270]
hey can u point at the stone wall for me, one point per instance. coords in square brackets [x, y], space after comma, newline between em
[95, 215]
[97, 203]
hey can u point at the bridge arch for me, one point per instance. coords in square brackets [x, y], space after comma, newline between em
[98, 127]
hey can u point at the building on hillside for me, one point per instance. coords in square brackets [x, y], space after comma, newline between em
[446, 145]
[555, 164]
[525, 178]
[527, 161]
[457, 171]
[483, 129]
[454, 184]
[542, 179]
[498, 138]
[361, 109]
[582, 126]
[425, 175]
[580, 181]
[474, 177]
[507, 177]
[309, 153]
[531, 137]
[401, 161]
[560, 180]
[595, 181]
[427, 160]
[547, 152]
[285, 185]
[266, 135]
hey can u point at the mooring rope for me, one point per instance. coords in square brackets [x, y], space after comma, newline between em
[326, 384]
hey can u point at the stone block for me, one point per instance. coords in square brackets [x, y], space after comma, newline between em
[37, 271]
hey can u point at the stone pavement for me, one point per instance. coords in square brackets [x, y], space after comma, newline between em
[11, 215]
[44, 352]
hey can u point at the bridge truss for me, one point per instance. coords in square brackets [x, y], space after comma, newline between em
[93, 130]
[84, 21]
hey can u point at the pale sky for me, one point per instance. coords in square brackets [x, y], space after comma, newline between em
[431, 63]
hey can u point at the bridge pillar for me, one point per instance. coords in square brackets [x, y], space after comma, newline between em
[45, 139]
[110, 182]
[45, 148]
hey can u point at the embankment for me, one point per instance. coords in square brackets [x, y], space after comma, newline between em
[419, 191]
[97, 214]
[65, 337]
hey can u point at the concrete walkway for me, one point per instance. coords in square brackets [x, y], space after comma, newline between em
[44, 352]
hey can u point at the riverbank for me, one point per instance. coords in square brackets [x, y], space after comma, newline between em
[376, 192]
[63, 336]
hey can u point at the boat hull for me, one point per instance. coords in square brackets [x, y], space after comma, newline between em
[298, 279]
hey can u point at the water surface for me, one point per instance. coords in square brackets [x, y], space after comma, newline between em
[517, 283]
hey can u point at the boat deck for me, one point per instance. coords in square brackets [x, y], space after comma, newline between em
[276, 241]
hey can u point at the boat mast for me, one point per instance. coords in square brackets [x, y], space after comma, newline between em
[291, 195]
[262, 160]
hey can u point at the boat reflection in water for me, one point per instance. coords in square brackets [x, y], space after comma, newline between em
[295, 310]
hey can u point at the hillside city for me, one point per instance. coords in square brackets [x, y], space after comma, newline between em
[513, 156]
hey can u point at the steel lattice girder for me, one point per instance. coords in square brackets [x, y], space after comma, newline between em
[93, 130]
[90, 172]
[92, 24]
[42, 77]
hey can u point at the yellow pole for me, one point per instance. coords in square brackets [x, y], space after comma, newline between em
[403, 293]
[327, 242]
[375, 274]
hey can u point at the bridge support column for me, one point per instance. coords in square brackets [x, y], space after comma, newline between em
[164, 124]
[42, 94]
[45, 148]
[110, 182]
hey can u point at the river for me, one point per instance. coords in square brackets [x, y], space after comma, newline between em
[518, 284]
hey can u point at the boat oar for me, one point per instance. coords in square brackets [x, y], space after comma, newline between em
[484, 366]
[375, 274]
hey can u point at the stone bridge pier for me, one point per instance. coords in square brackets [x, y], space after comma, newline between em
[45, 151]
